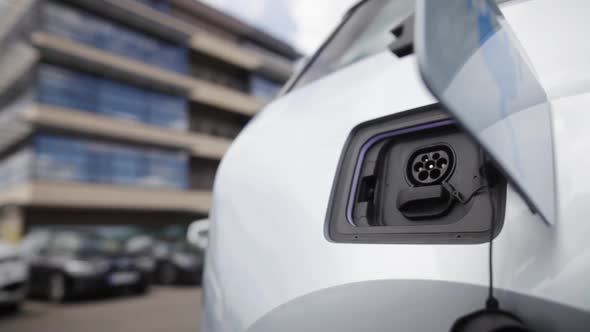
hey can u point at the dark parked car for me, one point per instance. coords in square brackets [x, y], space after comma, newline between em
[70, 263]
[178, 263]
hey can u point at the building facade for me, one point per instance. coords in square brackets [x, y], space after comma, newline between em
[119, 111]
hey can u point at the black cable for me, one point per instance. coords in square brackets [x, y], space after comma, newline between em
[459, 196]
[491, 302]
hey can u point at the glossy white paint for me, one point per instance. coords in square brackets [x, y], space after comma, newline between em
[267, 245]
[504, 97]
[198, 233]
[12, 269]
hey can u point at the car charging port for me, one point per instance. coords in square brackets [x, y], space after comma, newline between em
[426, 169]
[430, 165]
[399, 182]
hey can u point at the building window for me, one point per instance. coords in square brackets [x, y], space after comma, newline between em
[263, 88]
[94, 31]
[209, 120]
[161, 5]
[64, 159]
[73, 90]
[66, 88]
[219, 73]
[16, 169]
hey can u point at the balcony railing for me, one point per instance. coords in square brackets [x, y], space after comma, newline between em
[62, 50]
[198, 145]
[107, 197]
[161, 24]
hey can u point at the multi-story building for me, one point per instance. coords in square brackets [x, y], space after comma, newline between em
[119, 111]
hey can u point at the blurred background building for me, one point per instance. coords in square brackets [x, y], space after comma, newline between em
[117, 112]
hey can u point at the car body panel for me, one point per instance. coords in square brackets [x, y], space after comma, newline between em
[79, 284]
[187, 271]
[468, 46]
[386, 305]
[267, 245]
[14, 276]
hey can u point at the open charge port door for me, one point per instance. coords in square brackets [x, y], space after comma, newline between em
[414, 178]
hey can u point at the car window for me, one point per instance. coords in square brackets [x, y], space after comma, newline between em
[34, 242]
[71, 242]
[364, 32]
[65, 242]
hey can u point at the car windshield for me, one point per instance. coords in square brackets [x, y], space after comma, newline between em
[365, 31]
[80, 242]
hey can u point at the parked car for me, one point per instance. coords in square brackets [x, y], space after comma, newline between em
[68, 263]
[13, 277]
[426, 171]
[141, 247]
[178, 262]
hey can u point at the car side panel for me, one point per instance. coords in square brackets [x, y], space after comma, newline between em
[267, 245]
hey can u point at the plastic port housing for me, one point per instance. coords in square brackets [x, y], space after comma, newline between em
[389, 186]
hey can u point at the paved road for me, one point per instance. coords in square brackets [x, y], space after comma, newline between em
[162, 310]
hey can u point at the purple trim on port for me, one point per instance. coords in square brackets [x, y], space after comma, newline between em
[372, 142]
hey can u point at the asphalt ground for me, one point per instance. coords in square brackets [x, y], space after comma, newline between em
[162, 309]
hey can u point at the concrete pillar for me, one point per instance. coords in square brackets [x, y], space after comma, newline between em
[12, 224]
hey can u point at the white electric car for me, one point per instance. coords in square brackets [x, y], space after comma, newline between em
[428, 170]
[14, 277]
